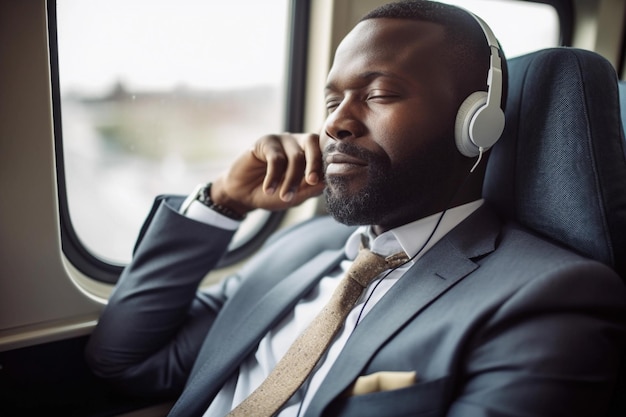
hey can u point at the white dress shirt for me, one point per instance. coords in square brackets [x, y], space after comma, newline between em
[410, 238]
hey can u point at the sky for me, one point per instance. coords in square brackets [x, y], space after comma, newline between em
[160, 44]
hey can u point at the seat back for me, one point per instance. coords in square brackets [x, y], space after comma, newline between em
[560, 167]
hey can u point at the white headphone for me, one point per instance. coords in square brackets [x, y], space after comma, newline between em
[480, 118]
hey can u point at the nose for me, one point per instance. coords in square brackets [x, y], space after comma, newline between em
[344, 122]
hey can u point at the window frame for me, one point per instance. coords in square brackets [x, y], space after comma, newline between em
[565, 12]
[73, 249]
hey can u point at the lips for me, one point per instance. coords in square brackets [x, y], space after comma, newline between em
[339, 163]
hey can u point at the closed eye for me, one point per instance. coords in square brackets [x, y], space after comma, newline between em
[332, 104]
[381, 96]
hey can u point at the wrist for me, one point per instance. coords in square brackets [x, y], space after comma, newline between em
[204, 194]
[220, 196]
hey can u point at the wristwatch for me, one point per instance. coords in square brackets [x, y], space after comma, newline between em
[202, 193]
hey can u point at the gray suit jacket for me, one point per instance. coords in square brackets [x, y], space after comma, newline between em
[494, 320]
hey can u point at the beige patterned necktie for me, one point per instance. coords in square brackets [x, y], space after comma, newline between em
[301, 358]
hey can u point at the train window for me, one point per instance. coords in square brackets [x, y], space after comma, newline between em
[155, 96]
[521, 26]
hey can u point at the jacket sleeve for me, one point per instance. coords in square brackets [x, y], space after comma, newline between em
[155, 321]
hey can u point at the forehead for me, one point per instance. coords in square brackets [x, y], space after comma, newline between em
[400, 46]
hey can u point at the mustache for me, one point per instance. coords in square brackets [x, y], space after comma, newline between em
[355, 151]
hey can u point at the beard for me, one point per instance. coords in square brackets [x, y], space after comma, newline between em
[385, 192]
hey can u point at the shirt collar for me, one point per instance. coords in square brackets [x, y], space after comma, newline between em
[412, 236]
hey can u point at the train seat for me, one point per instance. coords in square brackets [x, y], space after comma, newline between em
[560, 167]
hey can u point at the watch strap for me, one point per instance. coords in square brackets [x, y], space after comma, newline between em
[202, 194]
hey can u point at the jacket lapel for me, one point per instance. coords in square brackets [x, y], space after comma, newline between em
[231, 340]
[439, 269]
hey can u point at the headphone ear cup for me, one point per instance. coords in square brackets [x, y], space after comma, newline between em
[464, 116]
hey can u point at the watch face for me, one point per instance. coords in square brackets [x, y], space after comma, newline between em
[195, 195]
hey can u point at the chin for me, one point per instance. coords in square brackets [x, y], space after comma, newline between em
[352, 209]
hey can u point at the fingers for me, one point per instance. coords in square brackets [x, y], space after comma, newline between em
[314, 167]
[279, 172]
[294, 163]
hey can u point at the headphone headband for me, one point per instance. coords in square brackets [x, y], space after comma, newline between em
[494, 76]
[491, 38]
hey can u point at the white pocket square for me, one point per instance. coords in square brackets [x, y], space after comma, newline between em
[382, 381]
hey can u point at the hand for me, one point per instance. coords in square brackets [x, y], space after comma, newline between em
[279, 172]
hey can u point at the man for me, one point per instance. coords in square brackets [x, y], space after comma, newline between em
[483, 319]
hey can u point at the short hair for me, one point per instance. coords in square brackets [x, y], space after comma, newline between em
[467, 48]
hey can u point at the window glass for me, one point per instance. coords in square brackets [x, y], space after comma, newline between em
[157, 96]
[520, 26]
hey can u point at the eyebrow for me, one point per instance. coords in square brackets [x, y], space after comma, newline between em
[368, 76]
